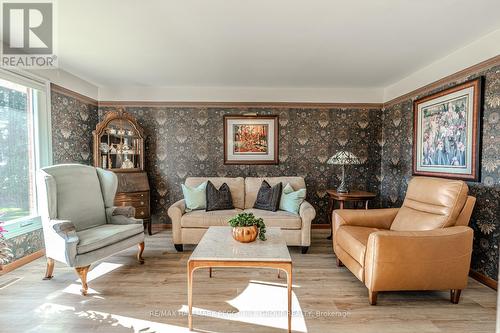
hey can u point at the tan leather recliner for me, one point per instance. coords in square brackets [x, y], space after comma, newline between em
[424, 245]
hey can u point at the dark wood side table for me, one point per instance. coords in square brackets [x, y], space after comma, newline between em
[355, 196]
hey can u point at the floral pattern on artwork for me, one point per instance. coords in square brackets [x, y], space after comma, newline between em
[444, 133]
[396, 167]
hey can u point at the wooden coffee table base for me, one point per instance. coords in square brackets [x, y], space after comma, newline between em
[193, 265]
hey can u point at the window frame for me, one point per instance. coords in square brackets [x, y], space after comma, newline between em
[40, 106]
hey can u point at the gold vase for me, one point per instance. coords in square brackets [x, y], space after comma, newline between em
[245, 234]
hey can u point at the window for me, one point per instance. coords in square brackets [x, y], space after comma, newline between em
[24, 147]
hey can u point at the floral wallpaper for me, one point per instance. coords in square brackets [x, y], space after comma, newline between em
[396, 167]
[73, 121]
[26, 244]
[188, 141]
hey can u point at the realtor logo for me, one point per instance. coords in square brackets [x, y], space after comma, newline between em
[27, 34]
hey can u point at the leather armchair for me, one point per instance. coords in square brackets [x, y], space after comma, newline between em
[424, 245]
[80, 223]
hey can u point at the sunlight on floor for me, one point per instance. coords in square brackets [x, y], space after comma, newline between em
[49, 310]
[261, 303]
[75, 290]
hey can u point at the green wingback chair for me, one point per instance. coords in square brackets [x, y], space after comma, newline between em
[80, 223]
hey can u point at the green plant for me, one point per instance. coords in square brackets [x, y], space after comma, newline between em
[5, 253]
[248, 220]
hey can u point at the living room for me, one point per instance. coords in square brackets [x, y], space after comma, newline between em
[154, 154]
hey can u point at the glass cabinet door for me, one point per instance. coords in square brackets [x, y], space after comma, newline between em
[120, 146]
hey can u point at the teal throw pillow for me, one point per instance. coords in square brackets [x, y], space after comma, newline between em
[291, 200]
[195, 197]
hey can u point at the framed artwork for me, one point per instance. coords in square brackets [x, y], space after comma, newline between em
[250, 139]
[446, 129]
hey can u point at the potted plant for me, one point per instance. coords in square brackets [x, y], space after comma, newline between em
[246, 228]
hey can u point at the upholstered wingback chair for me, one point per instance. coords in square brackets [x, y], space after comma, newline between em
[424, 245]
[80, 223]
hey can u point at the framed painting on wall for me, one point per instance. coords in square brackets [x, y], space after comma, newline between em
[446, 132]
[250, 139]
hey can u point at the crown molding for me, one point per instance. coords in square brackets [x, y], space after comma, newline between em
[67, 92]
[274, 105]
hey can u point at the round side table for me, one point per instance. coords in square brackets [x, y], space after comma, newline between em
[355, 196]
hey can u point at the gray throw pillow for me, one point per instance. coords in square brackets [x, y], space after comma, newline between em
[218, 199]
[268, 197]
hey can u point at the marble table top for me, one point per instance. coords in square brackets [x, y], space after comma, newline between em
[218, 245]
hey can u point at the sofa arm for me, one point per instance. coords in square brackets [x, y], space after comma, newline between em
[307, 214]
[175, 213]
[61, 240]
[373, 218]
[418, 260]
[122, 215]
[127, 211]
[65, 229]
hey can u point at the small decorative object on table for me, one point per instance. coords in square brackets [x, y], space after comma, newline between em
[343, 158]
[246, 227]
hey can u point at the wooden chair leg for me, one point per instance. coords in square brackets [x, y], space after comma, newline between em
[372, 297]
[50, 269]
[455, 295]
[139, 253]
[339, 263]
[82, 273]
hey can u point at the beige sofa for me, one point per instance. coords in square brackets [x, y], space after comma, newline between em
[189, 227]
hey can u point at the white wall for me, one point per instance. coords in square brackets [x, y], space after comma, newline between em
[68, 81]
[241, 94]
[480, 50]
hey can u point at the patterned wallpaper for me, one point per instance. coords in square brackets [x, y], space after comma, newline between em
[188, 141]
[397, 168]
[26, 244]
[73, 121]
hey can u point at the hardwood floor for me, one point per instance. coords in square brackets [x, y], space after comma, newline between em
[127, 297]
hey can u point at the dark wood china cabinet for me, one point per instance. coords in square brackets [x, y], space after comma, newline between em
[119, 147]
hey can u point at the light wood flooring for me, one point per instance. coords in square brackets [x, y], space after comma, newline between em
[127, 297]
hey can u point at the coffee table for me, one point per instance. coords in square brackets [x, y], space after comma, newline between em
[217, 248]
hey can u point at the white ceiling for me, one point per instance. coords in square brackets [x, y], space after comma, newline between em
[263, 43]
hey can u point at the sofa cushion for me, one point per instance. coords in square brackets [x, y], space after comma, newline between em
[252, 186]
[353, 240]
[279, 218]
[104, 235]
[203, 219]
[218, 199]
[236, 185]
[431, 203]
[268, 198]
